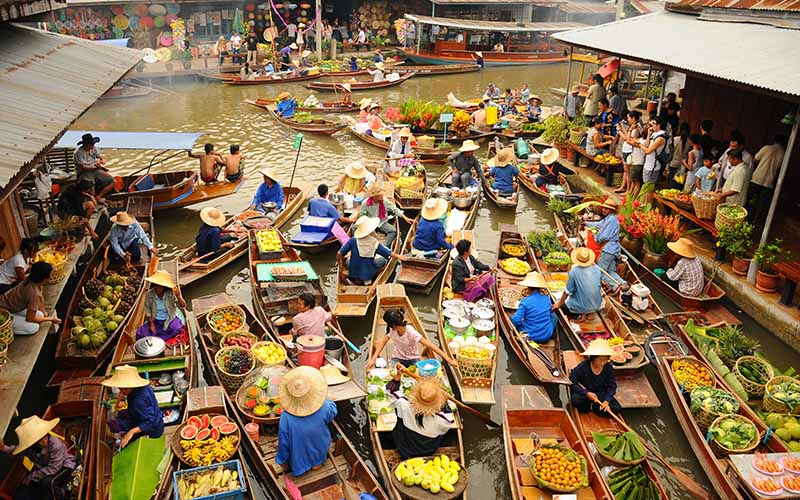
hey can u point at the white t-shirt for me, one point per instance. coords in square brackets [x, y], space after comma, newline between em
[362, 36]
[650, 162]
[236, 41]
[590, 147]
[8, 273]
[291, 30]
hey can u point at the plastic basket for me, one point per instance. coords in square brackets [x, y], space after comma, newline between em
[723, 220]
[610, 458]
[773, 405]
[428, 367]
[472, 367]
[753, 388]
[6, 330]
[705, 418]
[233, 465]
[721, 451]
[232, 381]
[211, 319]
[268, 342]
[705, 208]
[238, 333]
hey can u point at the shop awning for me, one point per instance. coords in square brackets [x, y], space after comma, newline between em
[755, 55]
[587, 8]
[160, 141]
[46, 82]
[494, 26]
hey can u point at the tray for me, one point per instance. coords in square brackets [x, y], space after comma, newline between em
[264, 272]
[418, 493]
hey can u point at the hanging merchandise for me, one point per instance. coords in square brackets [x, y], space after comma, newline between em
[170, 18]
[173, 8]
[157, 10]
[164, 54]
[121, 22]
[117, 10]
[129, 9]
[159, 22]
[165, 39]
[178, 32]
[133, 22]
[117, 32]
[146, 22]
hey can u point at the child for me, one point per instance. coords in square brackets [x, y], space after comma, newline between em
[706, 175]
[693, 162]
[408, 342]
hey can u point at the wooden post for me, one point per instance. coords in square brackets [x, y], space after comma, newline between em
[647, 88]
[419, 35]
[661, 95]
[569, 71]
[318, 31]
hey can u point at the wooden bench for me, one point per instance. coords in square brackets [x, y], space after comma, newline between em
[706, 224]
[602, 167]
[791, 274]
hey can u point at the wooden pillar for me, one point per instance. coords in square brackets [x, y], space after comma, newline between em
[569, 70]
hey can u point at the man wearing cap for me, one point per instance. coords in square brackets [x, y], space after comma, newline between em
[378, 206]
[210, 163]
[687, 274]
[91, 165]
[355, 178]
[463, 162]
[286, 105]
[163, 304]
[125, 237]
[583, 294]
[535, 317]
[52, 461]
[210, 240]
[377, 73]
[269, 192]
[367, 254]
[142, 416]
[430, 236]
[608, 236]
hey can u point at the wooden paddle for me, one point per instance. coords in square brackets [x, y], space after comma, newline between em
[339, 334]
[184, 265]
[349, 492]
[483, 417]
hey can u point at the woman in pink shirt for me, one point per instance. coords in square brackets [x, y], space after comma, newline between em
[374, 120]
[311, 319]
[406, 342]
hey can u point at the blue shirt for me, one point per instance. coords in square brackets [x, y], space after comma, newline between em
[161, 309]
[534, 317]
[303, 442]
[353, 65]
[504, 178]
[608, 234]
[583, 287]
[430, 236]
[702, 173]
[612, 119]
[266, 194]
[286, 108]
[320, 207]
[269, 68]
[534, 112]
[208, 240]
[144, 413]
[120, 239]
[378, 58]
[479, 61]
[362, 268]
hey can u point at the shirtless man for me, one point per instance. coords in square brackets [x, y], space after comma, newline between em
[233, 163]
[210, 164]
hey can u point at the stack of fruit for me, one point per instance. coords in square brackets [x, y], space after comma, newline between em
[624, 350]
[632, 483]
[236, 361]
[269, 353]
[515, 266]
[208, 439]
[226, 321]
[438, 474]
[208, 482]
[104, 305]
[257, 401]
[241, 339]
[787, 428]
[691, 375]
[607, 158]
[268, 241]
[559, 469]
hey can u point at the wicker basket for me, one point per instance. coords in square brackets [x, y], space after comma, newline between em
[231, 381]
[59, 270]
[474, 368]
[754, 389]
[268, 342]
[705, 418]
[228, 308]
[576, 135]
[3, 354]
[705, 208]
[616, 179]
[549, 486]
[721, 451]
[410, 193]
[6, 331]
[611, 459]
[426, 141]
[238, 333]
[771, 404]
[723, 220]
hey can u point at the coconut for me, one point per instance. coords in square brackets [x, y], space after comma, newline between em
[84, 341]
[112, 326]
[118, 318]
[103, 301]
[77, 331]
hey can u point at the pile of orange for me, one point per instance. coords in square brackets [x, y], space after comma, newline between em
[560, 469]
[691, 374]
[228, 322]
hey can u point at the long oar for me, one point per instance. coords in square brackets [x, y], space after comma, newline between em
[339, 334]
[483, 417]
[349, 492]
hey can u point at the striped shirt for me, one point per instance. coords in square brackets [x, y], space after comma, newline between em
[689, 275]
[311, 322]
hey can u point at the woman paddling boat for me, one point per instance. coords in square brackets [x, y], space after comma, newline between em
[594, 384]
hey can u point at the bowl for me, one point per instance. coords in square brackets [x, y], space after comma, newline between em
[454, 313]
[484, 302]
[463, 203]
[483, 327]
[459, 325]
[481, 313]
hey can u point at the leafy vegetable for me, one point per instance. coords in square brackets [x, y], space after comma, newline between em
[734, 434]
[786, 392]
[558, 259]
[134, 470]
[713, 400]
[733, 343]
[544, 241]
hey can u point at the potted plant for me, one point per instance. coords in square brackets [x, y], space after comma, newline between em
[657, 231]
[766, 256]
[737, 241]
[186, 57]
[543, 242]
[630, 215]
[557, 261]
[556, 131]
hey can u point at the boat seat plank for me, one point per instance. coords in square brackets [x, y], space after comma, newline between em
[522, 446]
[525, 397]
[526, 477]
[591, 323]
[477, 395]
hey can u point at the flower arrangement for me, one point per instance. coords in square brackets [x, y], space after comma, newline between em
[736, 239]
[461, 122]
[631, 213]
[658, 230]
[393, 114]
[422, 114]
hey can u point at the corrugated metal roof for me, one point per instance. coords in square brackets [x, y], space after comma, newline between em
[587, 8]
[647, 6]
[751, 54]
[697, 5]
[46, 82]
[16, 9]
[488, 2]
[469, 24]
[133, 140]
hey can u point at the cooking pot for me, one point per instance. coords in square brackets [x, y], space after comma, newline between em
[454, 313]
[463, 203]
[483, 327]
[459, 325]
[484, 302]
[483, 313]
[149, 347]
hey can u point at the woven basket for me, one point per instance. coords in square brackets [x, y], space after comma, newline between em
[771, 404]
[721, 451]
[233, 308]
[754, 389]
[576, 135]
[3, 354]
[722, 220]
[549, 486]
[474, 368]
[238, 333]
[705, 208]
[6, 331]
[231, 381]
[705, 418]
[268, 342]
[59, 271]
[410, 193]
[611, 459]
[426, 141]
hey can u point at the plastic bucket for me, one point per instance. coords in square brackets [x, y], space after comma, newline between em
[310, 351]
[428, 367]
[334, 347]
[252, 431]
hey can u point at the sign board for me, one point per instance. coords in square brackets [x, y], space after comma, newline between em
[491, 115]
[446, 118]
[298, 140]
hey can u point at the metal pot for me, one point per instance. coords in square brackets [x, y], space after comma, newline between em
[150, 347]
[453, 313]
[483, 313]
[463, 203]
[483, 327]
[337, 198]
[484, 302]
[459, 325]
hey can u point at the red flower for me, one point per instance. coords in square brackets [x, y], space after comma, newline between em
[636, 204]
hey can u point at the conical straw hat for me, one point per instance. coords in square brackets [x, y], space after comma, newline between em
[303, 391]
[31, 430]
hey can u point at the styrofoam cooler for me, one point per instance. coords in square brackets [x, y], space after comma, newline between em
[314, 230]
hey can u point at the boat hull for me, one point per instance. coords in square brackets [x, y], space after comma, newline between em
[489, 58]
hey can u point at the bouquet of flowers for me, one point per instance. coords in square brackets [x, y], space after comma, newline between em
[658, 230]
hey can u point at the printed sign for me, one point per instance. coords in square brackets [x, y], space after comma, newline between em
[446, 118]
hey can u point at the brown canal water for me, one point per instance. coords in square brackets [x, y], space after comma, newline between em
[218, 110]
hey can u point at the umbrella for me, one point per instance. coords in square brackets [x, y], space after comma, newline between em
[238, 24]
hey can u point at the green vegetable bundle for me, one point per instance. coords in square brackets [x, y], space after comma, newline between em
[732, 343]
[624, 448]
[785, 391]
[544, 242]
[632, 483]
[557, 259]
[302, 117]
[734, 433]
[708, 403]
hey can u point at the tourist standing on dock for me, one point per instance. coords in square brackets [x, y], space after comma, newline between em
[25, 301]
[463, 163]
[632, 157]
[596, 92]
[594, 384]
[236, 47]
[210, 163]
[680, 153]
[142, 416]
[91, 166]
[693, 162]
[736, 143]
[769, 159]
[653, 146]
[734, 190]
[221, 48]
[12, 270]
[571, 102]
[252, 48]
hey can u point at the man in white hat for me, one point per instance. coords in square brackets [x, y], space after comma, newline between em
[400, 149]
[478, 58]
[687, 273]
[125, 238]
[608, 236]
[163, 310]
[52, 461]
[550, 170]
[430, 237]
[594, 384]
[584, 293]
[347, 94]
[535, 317]
[211, 240]
[367, 254]
[142, 416]
[463, 163]
[269, 196]
[377, 73]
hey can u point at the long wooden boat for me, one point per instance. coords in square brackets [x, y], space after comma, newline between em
[528, 414]
[320, 484]
[393, 296]
[359, 85]
[528, 176]
[490, 58]
[316, 125]
[126, 92]
[72, 361]
[324, 107]
[437, 69]
[429, 155]
[420, 273]
[498, 199]
[268, 80]
[544, 359]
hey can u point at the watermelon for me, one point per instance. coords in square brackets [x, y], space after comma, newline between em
[250, 404]
[219, 420]
[189, 432]
[228, 428]
[203, 435]
[215, 434]
[195, 421]
[205, 421]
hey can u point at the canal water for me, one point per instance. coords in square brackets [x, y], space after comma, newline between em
[219, 111]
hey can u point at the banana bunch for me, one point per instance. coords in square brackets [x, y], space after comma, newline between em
[208, 451]
[439, 474]
[207, 483]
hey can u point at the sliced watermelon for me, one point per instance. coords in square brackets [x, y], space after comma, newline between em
[215, 434]
[205, 421]
[195, 421]
[228, 428]
[219, 420]
[203, 434]
[189, 431]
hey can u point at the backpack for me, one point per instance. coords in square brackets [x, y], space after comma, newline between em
[664, 156]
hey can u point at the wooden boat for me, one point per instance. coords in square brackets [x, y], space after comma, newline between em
[428, 155]
[320, 484]
[126, 92]
[411, 205]
[268, 80]
[324, 107]
[316, 125]
[191, 270]
[420, 273]
[359, 85]
[589, 423]
[528, 414]
[527, 177]
[71, 360]
[540, 361]
[446, 56]
[498, 199]
[393, 296]
[474, 135]
[437, 69]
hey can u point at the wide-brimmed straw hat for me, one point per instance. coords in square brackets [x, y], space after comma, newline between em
[479, 53]
[364, 103]
[503, 158]
[163, 278]
[576, 88]
[305, 53]
[549, 156]
[212, 216]
[345, 86]
[123, 219]
[486, 98]
[31, 430]
[427, 396]
[373, 189]
[374, 105]
[333, 376]
[582, 257]
[468, 145]
[434, 208]
[366, 226]
[268, 172]
[125, 377]
[682, 247]
[379, 65]
[610, 204]
[405, 132]
[293, 46]
[303, 391]
[88, 139]
[534, 96]
[598, 347]
[284, 95]
[356, 170]
[533, 280]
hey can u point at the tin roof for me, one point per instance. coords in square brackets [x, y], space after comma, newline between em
[133, 140]
[46, 82]
[491, 2]
[587, 8]
[469, 24]
[775, 5]
[750, 54]
[16, 9]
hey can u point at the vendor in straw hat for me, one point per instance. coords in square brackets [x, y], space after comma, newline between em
[304, 62]
[504, 171]
[51, 457]
[400, 154]
[463, 163]
[608, 236]
[269, 196]
[378, 205]
[125, 238]
[347, 94]
[478, 58]
[355, 178]
[533, 109]
[374, 120]
[143, 416]
[377, 73]
[286, 105]
[423, 418]
[583, 294]
[535, 316]
[163, 304]
[687, 273]
[303, 435]
[430, 238]
[363, 105]
[286, 55]
[367, 254]
[550, 170]
[594, 385]
[211, 240]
